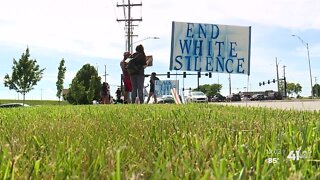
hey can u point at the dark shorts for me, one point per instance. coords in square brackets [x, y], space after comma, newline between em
[151, 89]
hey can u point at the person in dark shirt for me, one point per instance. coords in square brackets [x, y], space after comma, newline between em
[105, 93]
[118, 94]
[153, 78]
[137, 80]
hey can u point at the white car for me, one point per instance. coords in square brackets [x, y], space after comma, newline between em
[197, 96]
[13, 105]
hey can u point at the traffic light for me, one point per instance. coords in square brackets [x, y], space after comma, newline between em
[268, 81]
[274, 81]
[259, 83]
[199, 74]
[210, 75]
[184, 74]
[263, 83]
[168, 74]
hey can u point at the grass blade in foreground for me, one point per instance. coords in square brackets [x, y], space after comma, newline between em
[158, 141]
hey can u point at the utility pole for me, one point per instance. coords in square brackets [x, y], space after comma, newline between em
[183, 86]
[229, 83]
[316, 89]
[198, 83]
[128, 20]
[277, 75]
[284, 81]
[105, 73]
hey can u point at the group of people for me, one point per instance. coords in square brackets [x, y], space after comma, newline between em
[133, 82]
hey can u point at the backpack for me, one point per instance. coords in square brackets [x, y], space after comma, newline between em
[132, 68]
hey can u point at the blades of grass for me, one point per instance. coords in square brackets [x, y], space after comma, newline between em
[12, 169]
[215, 168]
[118, 174]
[206, 175]
[37, 167]
[6, 173]
[241, 174]
[258, 164]
[223, 169]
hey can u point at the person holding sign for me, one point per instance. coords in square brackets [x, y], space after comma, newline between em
[153, 78]
[137, 79]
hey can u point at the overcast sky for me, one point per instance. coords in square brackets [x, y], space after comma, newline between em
[86, 31]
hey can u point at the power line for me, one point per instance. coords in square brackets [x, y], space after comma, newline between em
[114, 11]
[128, 22]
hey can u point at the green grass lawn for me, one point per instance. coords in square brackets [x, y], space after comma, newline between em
[193, 141]
[34, 102]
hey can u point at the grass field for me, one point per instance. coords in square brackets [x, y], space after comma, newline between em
[194, 141]
[34, 102]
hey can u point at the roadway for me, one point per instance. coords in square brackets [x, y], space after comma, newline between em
[301, 105]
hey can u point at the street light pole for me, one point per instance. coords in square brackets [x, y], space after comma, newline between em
[142, 40]
[278, 83]
[307, 46]
[229, 84]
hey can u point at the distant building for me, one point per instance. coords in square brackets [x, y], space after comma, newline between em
[65, 92]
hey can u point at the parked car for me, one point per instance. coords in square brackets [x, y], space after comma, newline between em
[257, 97]
[13, 105]
[233, 97]
[197, 96]
[166, 99]
[246, 97]
[274, 96]
[218, 98]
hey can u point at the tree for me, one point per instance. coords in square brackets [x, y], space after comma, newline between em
[210, 90]
[290, 88]
[62, 70]
[316, 90]
[85, 87]
[293, 88]
[26, 73]
[76, 92]
[297, 89]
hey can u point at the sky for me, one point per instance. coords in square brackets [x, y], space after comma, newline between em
[87, 31]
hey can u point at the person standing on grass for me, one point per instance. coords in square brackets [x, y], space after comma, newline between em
[118, 94]
[126, 78]
[137, 79]
[153, 78]
[105, 93]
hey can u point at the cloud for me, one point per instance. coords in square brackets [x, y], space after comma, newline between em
[90, 28]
